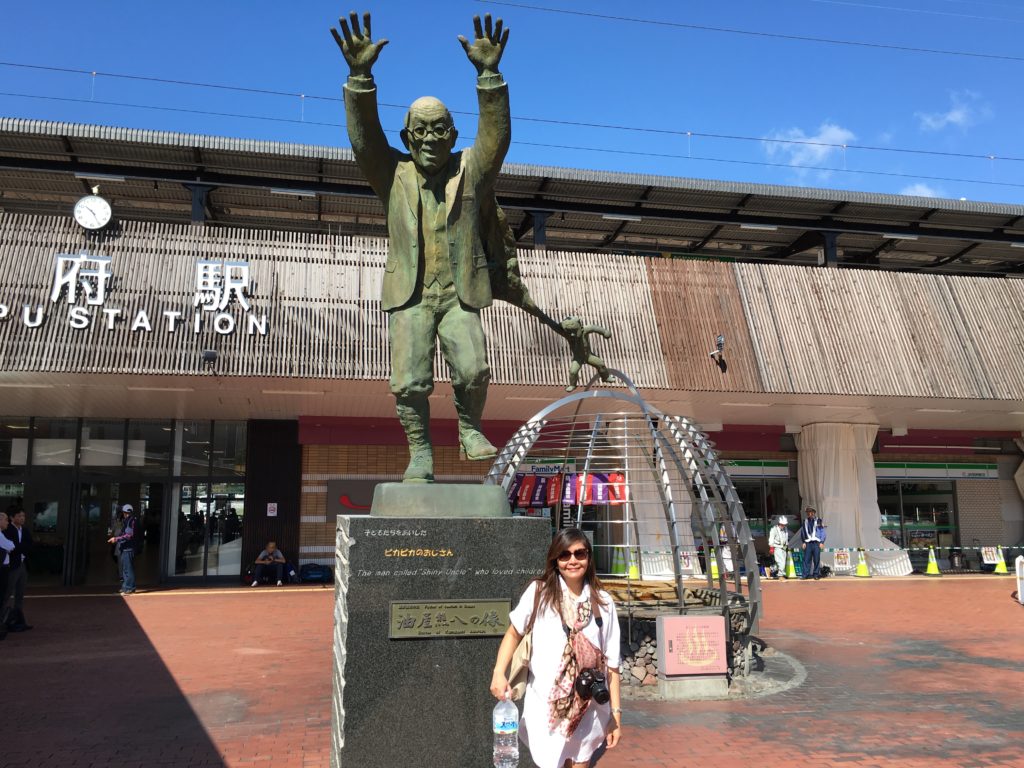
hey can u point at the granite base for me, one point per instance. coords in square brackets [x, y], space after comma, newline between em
[693, 687]
[422, 701]
[439, 500]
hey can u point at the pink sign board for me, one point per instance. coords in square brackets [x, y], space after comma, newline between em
[691, 645]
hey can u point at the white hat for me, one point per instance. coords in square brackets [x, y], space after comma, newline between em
[127, 508]
[782, 521]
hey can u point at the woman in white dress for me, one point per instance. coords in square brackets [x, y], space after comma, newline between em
[576, 628]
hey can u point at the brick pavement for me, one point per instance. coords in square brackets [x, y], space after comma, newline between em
[908, 673]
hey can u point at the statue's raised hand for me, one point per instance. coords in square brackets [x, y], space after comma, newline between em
[357, 46]
[485, 51]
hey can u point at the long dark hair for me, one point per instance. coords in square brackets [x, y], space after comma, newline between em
[549, 582]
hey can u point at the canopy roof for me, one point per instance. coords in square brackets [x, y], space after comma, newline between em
[46, 166]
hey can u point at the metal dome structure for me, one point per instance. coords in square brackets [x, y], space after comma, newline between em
[646, 486]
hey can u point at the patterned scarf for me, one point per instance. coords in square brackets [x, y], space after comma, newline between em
[566, 707]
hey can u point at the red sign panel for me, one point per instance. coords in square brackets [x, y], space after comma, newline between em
[691, 645]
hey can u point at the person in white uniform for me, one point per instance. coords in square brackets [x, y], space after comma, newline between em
[778, 540]
[576, 628]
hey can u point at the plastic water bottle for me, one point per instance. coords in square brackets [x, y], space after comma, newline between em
[506, 734]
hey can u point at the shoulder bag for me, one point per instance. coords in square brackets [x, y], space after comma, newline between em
[519, 673]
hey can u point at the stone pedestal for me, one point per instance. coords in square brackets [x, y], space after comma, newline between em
[693, 688]
[692, 657]
[423, 700]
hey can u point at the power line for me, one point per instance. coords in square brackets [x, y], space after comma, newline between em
[522, 118]
[852, 3]
[754, 33]
[600, 150]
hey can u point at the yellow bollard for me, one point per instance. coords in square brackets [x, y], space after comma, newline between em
[933, 565]
[862, 566]
[790, 567]
[713, 564]
[1001, 562]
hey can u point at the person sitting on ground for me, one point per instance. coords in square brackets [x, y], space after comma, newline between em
[269, 559]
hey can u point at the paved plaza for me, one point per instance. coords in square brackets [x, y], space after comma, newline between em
[910, 672]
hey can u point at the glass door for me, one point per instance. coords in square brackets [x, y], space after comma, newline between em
[226, 508]
[206, 529]
[94, 562]
[48, 497]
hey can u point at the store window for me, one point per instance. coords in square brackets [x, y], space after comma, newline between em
[11, 495]
[149, 445]
[764, 501]
[751, 494]
[229, 448]
[53, 443]
[102, 443]
[192, 456]
[13, 439]
[919, 513]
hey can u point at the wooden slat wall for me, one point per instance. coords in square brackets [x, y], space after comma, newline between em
[695, 301]
[789, 329]
[603, 289]
[320, 293]
[870, 332]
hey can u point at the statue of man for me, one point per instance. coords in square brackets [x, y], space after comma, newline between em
[437, 275]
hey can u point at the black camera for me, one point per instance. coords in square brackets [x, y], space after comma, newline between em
[590, 684]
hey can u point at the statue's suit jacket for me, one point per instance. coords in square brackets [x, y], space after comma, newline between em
[470, 184]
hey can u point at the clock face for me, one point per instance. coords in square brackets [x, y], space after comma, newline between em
[92, 212]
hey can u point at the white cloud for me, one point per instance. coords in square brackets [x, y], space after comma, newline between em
[800, 150]
[920, 189]
[966, 109]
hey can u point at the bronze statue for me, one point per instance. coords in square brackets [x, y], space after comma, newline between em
[578, 335]
[451, 251]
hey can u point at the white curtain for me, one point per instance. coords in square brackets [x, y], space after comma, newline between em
[836, 471]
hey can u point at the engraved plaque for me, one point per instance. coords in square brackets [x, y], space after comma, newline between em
[691, 645]
[422, 620]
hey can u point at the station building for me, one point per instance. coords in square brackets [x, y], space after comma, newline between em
[216, 354]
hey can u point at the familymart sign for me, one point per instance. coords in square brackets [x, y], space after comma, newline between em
[81, 282]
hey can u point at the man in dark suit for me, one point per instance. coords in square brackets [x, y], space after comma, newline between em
[6, 547]
[17, 576]
[440, 207]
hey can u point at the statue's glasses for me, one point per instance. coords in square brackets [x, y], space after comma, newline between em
[421, 132]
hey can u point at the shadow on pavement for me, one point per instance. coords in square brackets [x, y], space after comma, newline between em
[87, 687]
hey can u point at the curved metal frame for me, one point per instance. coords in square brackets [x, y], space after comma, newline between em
[695, 460]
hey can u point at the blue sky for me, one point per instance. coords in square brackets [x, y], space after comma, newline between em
[579, 69]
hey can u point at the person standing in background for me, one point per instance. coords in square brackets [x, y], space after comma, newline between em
[17, 576]
[778, 541]
[129, 542]
[811, 535]
[6, 547]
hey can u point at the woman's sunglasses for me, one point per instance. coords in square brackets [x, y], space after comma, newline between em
[579, 554]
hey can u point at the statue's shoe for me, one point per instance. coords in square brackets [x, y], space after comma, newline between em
[420, 469]
[475, 446]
